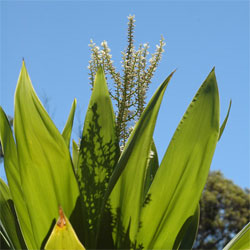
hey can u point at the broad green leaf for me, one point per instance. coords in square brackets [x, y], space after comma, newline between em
[128, 193]
[68, 127]
[45, 166]
[13, 176]
[225, 121]
[63, 236]
[189, 235]
[181, 177]
[152, 167]
[98, 155]
[8, 218]
[241, 241]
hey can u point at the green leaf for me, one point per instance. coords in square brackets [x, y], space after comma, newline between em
[45, 166]
[99, 151]
[152, 167]
[4, 240]
[241, 241]
[225, 121]
[188, 238]
[63, 236]
[180, 179]
[13, 176]
[8, 219]
[75, 155]
[68, 127]
[130, 172]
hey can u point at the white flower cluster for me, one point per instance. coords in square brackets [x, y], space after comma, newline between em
[95, 60]
[131, 18]
[131, 86]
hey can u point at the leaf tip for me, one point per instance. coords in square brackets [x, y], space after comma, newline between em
[61, 221]
[212, 73]
[23, 69]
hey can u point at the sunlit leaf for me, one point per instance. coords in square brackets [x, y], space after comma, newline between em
[188, 234]
[68, 127]
[225, 121]
[75, 155]
[45, 166]
[63, 236]
[128, 193]
[241, 241]
[13, 176]
[180, 179]
[98, 155]
[152, 167]
[8, 219]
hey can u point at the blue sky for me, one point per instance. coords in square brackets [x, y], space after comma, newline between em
[53, 37]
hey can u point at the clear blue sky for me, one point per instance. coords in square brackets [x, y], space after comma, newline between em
[53, 37]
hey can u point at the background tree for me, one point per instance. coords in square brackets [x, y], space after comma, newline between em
[224, 211]
[130, 86]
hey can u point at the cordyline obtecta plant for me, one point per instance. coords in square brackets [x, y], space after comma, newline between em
[106, 199]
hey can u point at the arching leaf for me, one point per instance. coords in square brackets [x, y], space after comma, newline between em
[181, 177]
[98, 154]
[68, 126]
[128, 193]
[12, 171]
[225, 121]
[241, 241]
[45, 166]
[152, 167]
[8, 219]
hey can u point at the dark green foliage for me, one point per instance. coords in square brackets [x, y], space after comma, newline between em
[224, 212]
[96, 167]
[1, 150]
[3, 244]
